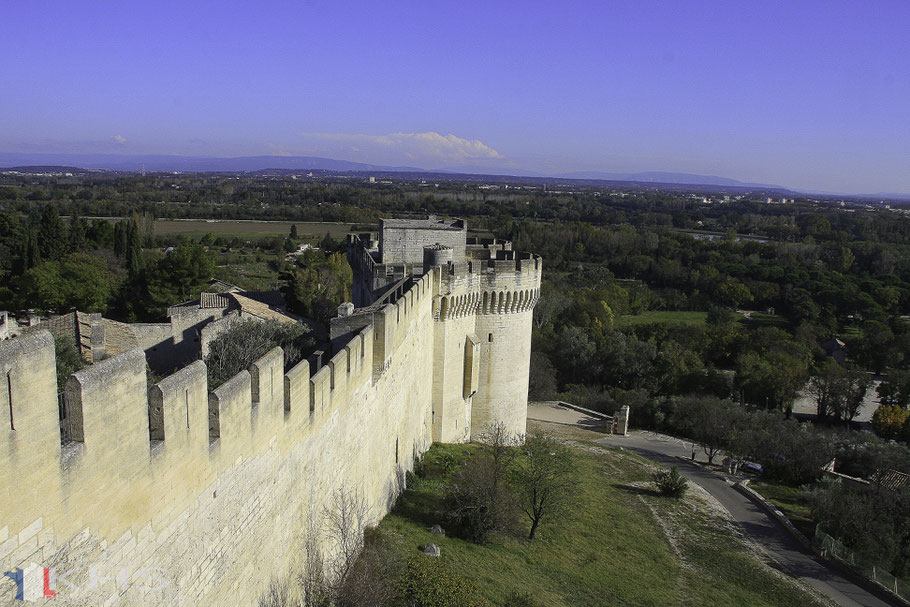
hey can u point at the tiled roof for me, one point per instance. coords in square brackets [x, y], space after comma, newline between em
[272, 299]
[223, 286]
[213, 300]
[261, 310]
[118, 337]
[76, 325]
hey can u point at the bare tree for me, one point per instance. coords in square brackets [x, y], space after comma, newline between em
[278, 595]
[312, 579]
[544, 479]
[371, 582]
[345, 518]
[499, 448]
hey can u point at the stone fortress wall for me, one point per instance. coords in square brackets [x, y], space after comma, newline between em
[173, 495]
[483, 300]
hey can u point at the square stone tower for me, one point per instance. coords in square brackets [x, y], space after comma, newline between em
[401, 241]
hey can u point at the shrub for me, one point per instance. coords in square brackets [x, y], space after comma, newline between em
[249, 340]
[68, 359]
[479, 502]
[277, 595]
[427, 582]
[446, 463]
[889, 421]
[670, 482]
[371, 581]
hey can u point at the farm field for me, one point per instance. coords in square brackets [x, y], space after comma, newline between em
[194, 227]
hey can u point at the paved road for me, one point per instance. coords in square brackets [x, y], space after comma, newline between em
[789, 554]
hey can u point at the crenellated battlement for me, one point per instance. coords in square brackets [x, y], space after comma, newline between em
[482, 292]
[506, 284]
[122, 476]
[110, 412]
[188, 479]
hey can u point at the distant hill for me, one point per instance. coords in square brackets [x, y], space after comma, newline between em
[46, 169]
[890, 196]
[661, 177]
[163, 162]
[67, 163]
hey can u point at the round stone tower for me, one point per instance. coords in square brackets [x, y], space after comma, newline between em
[436, 255]
[503, 327]
[484, 309]
[483, 296]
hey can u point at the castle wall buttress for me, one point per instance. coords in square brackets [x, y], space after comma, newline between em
[451, 406]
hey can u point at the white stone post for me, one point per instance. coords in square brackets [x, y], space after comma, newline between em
[622, 421]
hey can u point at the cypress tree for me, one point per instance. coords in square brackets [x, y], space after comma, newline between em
[133, 249]
[78, 229]
[51, 234]
[120, 239]
[30, 255]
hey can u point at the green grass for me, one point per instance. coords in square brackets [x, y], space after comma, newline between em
[757, 320]
[787, 499]
[249, 274]
[851, 330]
[250, 229]
[621, 544]
[660, 316]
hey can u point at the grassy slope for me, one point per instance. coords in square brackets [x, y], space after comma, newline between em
[622, 544]
[788, 500]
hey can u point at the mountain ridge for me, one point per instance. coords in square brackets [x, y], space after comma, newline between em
[214, 164]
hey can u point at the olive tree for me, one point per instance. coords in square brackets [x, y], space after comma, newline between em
[543, 479]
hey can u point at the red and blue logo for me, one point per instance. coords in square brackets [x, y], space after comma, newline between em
[34, 583]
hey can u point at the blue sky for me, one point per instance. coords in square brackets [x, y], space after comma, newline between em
[806, 94]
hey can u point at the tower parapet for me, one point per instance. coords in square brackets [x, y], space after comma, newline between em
[504, 284]
[436, 255]
[486, 303]
[483, 297]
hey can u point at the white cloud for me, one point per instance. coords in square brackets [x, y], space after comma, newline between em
[428, 146]
[118, 139]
